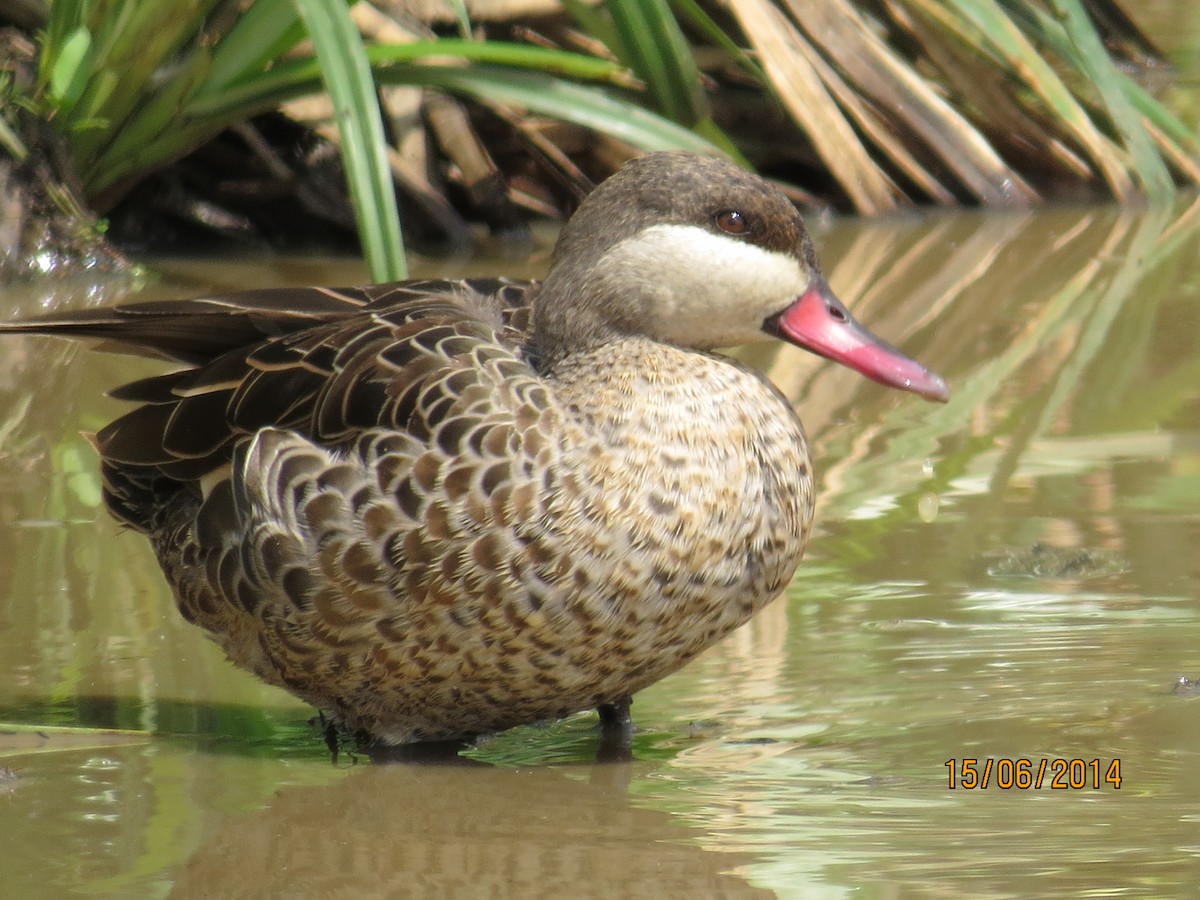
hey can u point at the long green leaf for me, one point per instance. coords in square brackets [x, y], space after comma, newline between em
[1015, 48]
[462, 16]
[136, 43]
[1048, 32]
[1071, 34]
[1097, 64]
[159, 114]
[261, 35]
[11, 143]
[541, 93]
[71, 69]
[293, 78]
[701, 20]
[537, 92]
[594, 22]
[504, 53]
[347, 77]
[65, 16]
[655, 48]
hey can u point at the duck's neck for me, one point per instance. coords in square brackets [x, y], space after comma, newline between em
[626, 378]
[578, 311]
[640, 395]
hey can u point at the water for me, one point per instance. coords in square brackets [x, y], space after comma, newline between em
[1014, 575]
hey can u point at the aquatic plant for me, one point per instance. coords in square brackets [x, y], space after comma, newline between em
[872, 105]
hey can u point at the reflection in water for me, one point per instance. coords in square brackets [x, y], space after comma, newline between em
[815, 739]
[124, 818]
[431, 831]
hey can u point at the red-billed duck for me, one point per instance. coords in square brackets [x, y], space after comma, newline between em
[437, 509]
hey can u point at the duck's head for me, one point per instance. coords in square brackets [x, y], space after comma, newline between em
[699, 253]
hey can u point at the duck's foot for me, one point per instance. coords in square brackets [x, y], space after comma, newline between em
[329, 733]
[616, 731]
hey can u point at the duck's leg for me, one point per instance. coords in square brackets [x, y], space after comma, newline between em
[330, 734]
[616, 731]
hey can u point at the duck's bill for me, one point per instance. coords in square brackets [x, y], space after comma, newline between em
[818, 322]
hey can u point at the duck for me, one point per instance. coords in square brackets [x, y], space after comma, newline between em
[436, 510]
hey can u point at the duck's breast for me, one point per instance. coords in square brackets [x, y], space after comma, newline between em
[691, 495]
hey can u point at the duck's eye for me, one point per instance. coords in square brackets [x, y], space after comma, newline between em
[731, 221]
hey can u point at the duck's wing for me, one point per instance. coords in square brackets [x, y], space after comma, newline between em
[198, 330]
[326, 363]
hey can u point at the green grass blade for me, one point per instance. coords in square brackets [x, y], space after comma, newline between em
[539, 90]
[1049, 32]
[262, 34]
[138, 44]
[547, 95]
[1098, 66]
[294, 78]
[1070, 34]
[593, 21]
[347, 77]
[652, 44]
[703, 22]
[71, 69]
[124, 156]
[462, 18]
[1173, 130]
[11, 143]
[153, 154]
[1011, 45]
[65, 16]
[713, 133]
[504, 53]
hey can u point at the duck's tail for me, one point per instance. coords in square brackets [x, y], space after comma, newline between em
[199, 330]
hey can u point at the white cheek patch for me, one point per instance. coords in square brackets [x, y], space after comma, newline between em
[709, 290]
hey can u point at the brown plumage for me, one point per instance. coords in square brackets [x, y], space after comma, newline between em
[437, 509]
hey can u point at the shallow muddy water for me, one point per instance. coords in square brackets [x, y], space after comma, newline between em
[1013, 576]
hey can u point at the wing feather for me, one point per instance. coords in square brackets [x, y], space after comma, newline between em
[328, 364]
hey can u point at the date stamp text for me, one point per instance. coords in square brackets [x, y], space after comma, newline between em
[1034, 774]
